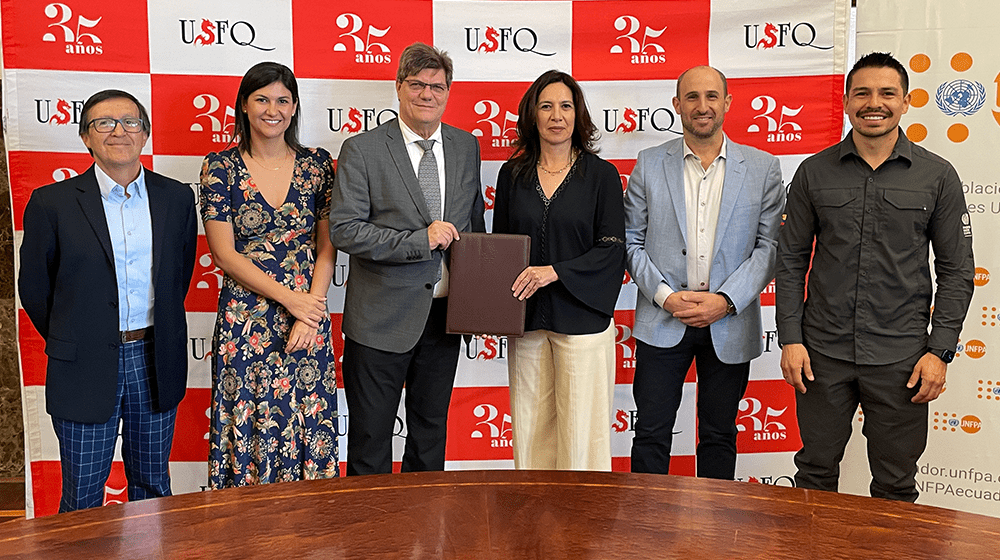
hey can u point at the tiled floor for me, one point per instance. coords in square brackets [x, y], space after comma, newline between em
[11, 499]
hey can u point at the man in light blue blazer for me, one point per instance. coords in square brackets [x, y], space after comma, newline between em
[701, 227]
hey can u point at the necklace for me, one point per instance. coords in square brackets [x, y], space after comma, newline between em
[572, 158]
[268, 167]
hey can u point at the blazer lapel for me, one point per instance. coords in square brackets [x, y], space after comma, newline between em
[158, 215]
[89, 199]
[451, 181]
[673, 170]
[732, 186]
[400, 157]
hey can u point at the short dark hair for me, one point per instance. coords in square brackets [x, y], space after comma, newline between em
[528, 147]
[879, 60]
[104, 96]
[725, 85]
[261, 75]
[421, 56]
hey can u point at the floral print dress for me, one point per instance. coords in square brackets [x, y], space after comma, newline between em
[274, 414]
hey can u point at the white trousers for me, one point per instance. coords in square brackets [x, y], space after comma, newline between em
[561, 390]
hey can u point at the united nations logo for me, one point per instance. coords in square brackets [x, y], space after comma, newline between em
[960, 97]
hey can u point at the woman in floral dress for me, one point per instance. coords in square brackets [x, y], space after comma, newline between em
[265, 205]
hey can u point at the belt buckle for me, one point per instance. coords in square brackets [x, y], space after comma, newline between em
[124, 336]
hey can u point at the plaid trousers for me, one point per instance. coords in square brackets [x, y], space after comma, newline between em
[86, 450]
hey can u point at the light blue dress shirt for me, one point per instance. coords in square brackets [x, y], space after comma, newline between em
[131, 232]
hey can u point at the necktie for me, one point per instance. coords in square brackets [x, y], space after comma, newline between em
[427, 176]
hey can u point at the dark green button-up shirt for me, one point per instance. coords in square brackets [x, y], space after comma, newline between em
[869, 289]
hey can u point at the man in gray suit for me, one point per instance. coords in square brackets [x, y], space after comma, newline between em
[701, 222]
[396, 219]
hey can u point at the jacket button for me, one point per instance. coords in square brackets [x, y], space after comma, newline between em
[684, 251]
[429, 286]
[112, 345]
[684, 285]
[113, 304]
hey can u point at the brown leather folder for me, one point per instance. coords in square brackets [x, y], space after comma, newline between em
[482, 269]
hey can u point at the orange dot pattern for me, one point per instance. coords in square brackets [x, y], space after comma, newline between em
[958, 132]
[961, 62]
[990, 390]
[920, 62]
[941, 421]
[989, 316]
[916, 132]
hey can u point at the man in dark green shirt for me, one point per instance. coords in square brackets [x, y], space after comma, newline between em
[873, 204]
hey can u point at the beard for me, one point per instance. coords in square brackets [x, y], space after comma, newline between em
[689, 127]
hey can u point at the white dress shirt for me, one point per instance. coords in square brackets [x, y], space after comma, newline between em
[702, 199]
[416, 152]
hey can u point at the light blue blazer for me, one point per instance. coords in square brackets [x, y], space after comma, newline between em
[745, 243]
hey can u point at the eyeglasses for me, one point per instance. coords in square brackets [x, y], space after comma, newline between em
[107, 124]
[416, 86]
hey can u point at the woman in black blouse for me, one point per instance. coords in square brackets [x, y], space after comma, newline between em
[555, 189]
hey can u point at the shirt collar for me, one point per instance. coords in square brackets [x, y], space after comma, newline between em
[107, 184]
[410, 137]
[902, 149]
[722, 152]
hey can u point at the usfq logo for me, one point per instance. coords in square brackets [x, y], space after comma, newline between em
[58, 112]
[501, 131]
[625, 421]
[777, 124]
[642, 50]
[492, 426]
[357, 120]
[77, 38]
[487, 347]
[802, 34]
[489, 197]
[502, 39]
[219, 122]
[219, 32]
[628, 119]
[366, 51]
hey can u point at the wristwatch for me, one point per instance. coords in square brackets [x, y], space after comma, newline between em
[946, 355]
[730, 308]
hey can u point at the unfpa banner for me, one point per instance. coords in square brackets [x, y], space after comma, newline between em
[183, 59]
[954, 70]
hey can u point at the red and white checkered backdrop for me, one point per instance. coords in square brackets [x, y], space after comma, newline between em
[184, 59]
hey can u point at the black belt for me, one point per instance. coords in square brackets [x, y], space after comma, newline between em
[137, 334]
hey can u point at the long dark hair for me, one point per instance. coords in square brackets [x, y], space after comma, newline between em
[261, 75]
[527, 146]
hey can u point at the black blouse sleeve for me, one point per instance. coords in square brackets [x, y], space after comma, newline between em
[595, 277]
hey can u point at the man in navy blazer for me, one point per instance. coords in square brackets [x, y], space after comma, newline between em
[701, 226]
[105, 265]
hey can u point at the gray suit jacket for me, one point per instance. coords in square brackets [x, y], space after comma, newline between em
[379, 217]
[745, 243]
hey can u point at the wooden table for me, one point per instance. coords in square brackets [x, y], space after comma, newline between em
[508, 515]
